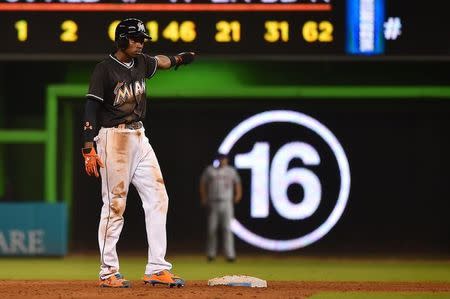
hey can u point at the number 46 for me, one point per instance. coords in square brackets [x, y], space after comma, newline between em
[281, 178]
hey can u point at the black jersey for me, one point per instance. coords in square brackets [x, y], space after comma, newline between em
[121, 89]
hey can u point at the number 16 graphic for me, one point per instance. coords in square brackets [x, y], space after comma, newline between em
[272, 180]
[281, 178]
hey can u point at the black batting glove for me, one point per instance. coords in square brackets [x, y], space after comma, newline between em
[185, 58]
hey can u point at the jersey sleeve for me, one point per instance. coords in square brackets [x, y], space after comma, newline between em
[97, 83]
[90, 119]
[151, 65]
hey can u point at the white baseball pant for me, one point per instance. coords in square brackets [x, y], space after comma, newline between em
[129, 158]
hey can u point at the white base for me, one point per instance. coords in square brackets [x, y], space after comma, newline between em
[238, 281]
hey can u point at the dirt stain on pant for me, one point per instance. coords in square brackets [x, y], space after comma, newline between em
[121, 140]
[120, 151]
[119, 199]
[162, 203]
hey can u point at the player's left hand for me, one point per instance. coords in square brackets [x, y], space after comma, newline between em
[185, 58]
[91, 160]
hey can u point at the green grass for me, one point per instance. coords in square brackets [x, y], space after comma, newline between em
[269, 268]
[380, 295]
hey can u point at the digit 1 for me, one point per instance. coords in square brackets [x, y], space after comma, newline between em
[284, 28]
[258, 161]
[236, 31]
[22, 30]
[152, 28]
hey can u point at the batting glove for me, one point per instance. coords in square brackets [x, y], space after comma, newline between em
[185, 58]
[91, 160]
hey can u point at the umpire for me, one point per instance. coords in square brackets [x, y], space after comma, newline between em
[220, 188]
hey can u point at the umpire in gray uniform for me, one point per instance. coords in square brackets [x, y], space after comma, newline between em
[220, 189]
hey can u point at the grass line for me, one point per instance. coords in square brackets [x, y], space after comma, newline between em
[269, 268]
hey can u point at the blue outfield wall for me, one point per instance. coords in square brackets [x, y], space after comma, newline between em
[36, 229]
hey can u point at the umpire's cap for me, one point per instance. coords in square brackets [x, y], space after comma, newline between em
[131, 28]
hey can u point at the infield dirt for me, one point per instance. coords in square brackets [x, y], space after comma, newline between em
[199, 289]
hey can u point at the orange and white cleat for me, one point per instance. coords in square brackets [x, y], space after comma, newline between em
[114, 281]
[164, 277]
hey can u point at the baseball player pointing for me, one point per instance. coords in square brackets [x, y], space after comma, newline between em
[116, 104]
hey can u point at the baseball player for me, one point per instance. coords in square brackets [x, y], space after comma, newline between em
[116, 104]
[220, 188]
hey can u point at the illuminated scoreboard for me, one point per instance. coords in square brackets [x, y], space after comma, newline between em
[282, 28]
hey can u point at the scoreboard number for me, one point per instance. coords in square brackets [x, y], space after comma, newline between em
[69, 33]
[276, 30]
[22, 30]
[152, 28]
[317, 32]
[184, 31]
[228, 31]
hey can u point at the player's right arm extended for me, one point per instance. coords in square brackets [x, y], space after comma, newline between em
[91, 159]
[166, 62]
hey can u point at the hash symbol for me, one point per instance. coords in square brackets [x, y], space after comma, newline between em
[392, 28]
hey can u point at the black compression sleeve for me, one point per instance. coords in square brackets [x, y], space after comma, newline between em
[173, 61]
[90, 119]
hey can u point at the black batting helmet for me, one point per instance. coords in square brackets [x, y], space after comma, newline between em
[129, 28]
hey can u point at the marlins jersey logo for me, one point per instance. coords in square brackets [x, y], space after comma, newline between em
[124, 91]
